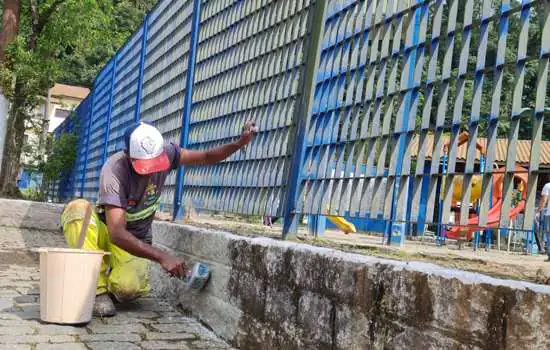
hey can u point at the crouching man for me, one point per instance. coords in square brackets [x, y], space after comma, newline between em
[130, 186]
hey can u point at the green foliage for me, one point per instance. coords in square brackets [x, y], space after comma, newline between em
[80, 67]
[61, 158]
[72, 46]
[34, 57]
[464, 109]
[58, 41]
[32, 194]
[490, 74]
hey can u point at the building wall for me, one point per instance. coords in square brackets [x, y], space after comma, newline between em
[58, 109]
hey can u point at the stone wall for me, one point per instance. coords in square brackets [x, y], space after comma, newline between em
[269, 294]
[30, 215]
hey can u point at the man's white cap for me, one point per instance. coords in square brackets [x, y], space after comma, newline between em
[145, 147]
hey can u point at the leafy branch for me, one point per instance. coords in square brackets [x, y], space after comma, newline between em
[61, 157]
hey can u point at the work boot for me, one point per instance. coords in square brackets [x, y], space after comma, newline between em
[103, 306]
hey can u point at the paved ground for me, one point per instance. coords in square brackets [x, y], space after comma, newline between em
[146, 324]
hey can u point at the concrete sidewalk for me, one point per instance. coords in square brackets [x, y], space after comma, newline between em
[145, 324]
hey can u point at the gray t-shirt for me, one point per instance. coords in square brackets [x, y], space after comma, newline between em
[121, 186]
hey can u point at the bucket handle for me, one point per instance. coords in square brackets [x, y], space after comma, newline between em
[83, 230]
[85, 224]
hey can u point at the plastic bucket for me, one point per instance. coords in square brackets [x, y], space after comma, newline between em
[68, 281]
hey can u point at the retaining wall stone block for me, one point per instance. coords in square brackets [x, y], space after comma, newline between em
[30, 215]
[281, 295]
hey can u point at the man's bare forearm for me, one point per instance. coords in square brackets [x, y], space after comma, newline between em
[217, 154]
[212, 156]
[134, 246]
[220, 153]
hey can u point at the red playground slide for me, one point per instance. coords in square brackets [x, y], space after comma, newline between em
[493, 215]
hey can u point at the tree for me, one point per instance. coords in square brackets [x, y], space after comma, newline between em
[61, 157]
[10, 24]
[55, 40]
[32, 60]
[82, 66]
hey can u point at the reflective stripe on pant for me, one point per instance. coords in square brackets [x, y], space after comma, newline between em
[122, 274]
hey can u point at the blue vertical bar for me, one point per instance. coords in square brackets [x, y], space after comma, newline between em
[423, 199]
[404, 133]
[83, 180]
[441, 230]
[187, 102]
[485, 232]
[316, 225]
[110, 110]
[137, 114]
[302, 117]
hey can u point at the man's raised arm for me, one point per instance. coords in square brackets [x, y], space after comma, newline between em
[215, 155]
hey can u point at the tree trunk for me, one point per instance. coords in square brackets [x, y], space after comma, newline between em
[34, 23]
[13, 146]
[10, 24]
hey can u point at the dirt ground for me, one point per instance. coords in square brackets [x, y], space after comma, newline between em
[502, 264]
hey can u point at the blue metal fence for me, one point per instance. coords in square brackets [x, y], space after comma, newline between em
[84, 115]
[357, 103]
[99, 121]
[165, 74]
[250, 61]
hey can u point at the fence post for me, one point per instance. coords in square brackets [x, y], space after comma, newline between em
[83, 179]
[187, 103]
[110, 110]
[403, 135]
[137, 116]
[302, 115]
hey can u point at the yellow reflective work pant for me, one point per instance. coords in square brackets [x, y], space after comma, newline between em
[122, 274]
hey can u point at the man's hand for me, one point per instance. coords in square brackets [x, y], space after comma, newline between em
[215, 155]
[174, 266]
[249, 130]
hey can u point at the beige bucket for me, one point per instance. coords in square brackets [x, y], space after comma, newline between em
[68, 281]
